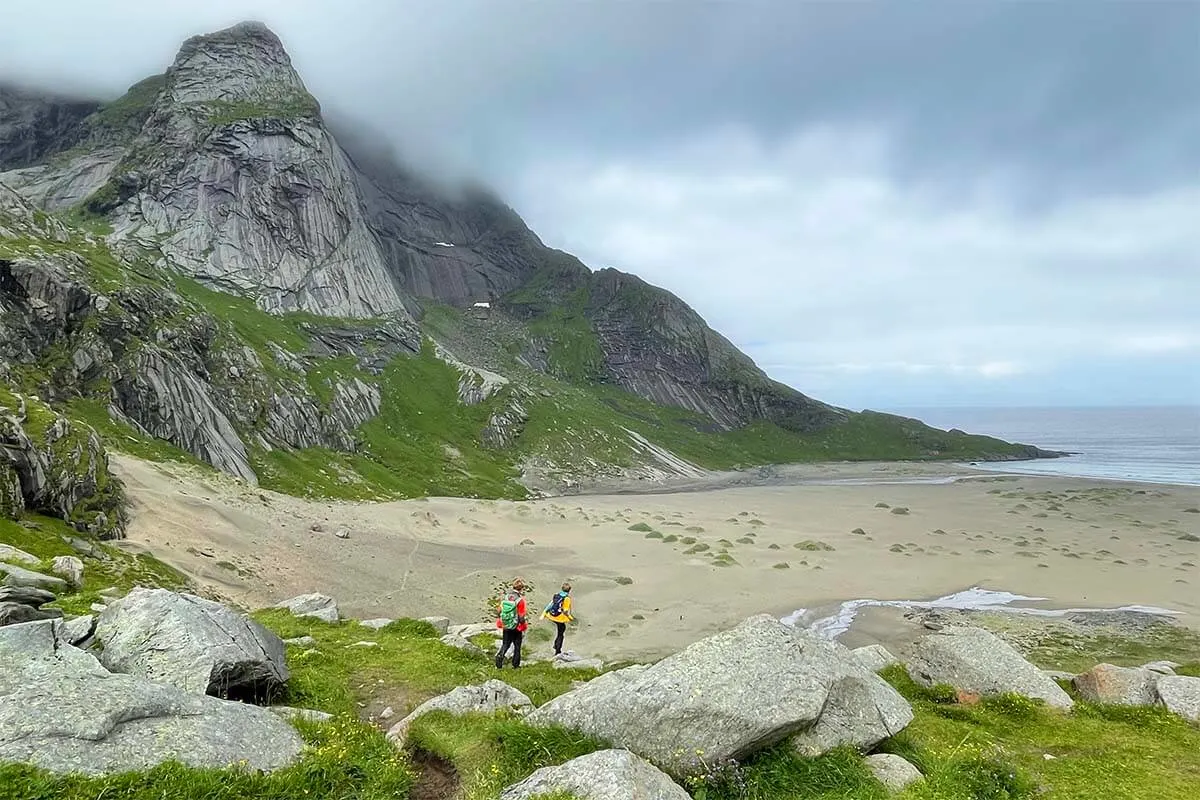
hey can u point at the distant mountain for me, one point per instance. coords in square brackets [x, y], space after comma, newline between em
[201, 269]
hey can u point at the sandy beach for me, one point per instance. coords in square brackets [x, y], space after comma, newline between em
[654, 572]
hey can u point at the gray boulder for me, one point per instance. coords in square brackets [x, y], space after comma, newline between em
[12, 575]
[60, 710]
[376, 624]
[312, 605]
[1105, 683]
[78, 629]
[1181, 695]
[69, 568]
[1162, 667]
[192, 643]
[26, 595]
[490, 696]
[874, 657]
[16, 613]
[603, 775]
[440, 624]
[894, 772]
[15, 556]
[456, 641]
[734, 693]
[975, 660]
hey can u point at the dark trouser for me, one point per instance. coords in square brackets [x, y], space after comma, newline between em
[512, 638]
[562, 630]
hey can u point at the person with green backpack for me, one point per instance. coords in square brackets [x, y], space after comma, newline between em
[511, 620]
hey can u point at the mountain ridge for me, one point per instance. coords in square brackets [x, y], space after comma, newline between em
[313, 302]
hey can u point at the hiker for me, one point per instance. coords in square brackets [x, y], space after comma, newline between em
[512, 621]
[559, 612]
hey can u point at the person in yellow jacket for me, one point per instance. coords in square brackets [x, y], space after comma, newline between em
[559, 612]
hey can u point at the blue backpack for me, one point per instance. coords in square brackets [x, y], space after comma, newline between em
[556, 605]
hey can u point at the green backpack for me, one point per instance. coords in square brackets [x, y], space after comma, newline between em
[508, 611]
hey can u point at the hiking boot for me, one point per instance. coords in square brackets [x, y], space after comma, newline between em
[499, 662]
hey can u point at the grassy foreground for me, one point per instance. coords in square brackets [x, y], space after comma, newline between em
[1003, 748]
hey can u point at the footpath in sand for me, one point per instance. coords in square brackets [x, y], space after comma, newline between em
[653, 573]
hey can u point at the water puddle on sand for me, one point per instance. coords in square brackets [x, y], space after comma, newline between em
[973, 599]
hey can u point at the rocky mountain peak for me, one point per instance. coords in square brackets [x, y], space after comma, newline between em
[244, 63]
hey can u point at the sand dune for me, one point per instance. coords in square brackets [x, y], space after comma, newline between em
[656, 572]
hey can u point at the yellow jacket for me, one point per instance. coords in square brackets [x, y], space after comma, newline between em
[565, 616]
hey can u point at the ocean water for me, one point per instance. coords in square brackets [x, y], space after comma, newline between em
[1151, 444]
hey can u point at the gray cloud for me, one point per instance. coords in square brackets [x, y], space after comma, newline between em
[883, 202]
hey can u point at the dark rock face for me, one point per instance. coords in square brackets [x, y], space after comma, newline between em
[34, 126]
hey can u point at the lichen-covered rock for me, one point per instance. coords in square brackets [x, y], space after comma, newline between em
[78, 629]
[603, 775]
[1105, 683]
[192, 643]
[490, 696]
[732, 694]
[315, 605]
[893, 771]
[975, 660]
[61, 711]
[1181, 695]
[68, 568]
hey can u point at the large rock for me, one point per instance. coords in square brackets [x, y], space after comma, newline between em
[13, 575]
[312, 605]
[1181, 695]
[1105, 683]
[26, 595]
[603, 775]
[192, 643]
[459, 643]
[69, 568]
[732, 694]
[60, 710]
[440, 624]
[14, 555]
[977, 661]
[874, 657]
[490, 696]
[894, 772]
[16, 613]
[78, 629]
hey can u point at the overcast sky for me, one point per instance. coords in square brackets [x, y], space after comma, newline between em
[887, 205]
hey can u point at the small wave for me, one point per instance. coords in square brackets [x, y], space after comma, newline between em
[973, 599]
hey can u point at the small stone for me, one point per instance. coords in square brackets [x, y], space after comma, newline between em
[453, 640]
[894, 772]
[98, 608]
[299, 641]
[387, 713]
[376, 624]
[315, 605]
[364, 644]
[342, 533]
[306, 714]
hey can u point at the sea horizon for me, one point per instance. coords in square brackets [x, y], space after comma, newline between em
[1143, 444]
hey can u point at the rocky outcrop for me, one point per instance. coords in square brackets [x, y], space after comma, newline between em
[488, 697]
[719, 699]
[24, 604]
[603, 775]
[169, 402]
[61, 711]
[48, 464]
[34, 125]
[1105, 683]
[316, 605]
[191, 643]
[977, 661]
[69, 568]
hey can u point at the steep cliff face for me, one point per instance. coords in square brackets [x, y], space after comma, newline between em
[202, 262]
[34, 125]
